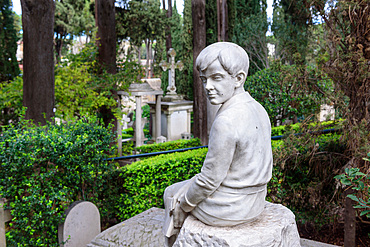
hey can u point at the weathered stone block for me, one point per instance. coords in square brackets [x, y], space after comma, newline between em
[274, 227]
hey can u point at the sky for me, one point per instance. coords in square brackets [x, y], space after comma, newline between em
[179, 4]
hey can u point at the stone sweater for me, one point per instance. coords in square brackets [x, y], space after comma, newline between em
[231, 187]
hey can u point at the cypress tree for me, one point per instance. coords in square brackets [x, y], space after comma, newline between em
[8, 43]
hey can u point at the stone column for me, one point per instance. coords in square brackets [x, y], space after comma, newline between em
[119, 129]
[188, 119]
[169, 126]
[158, 116]
[138, 137]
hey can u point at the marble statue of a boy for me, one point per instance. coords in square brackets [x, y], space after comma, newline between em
[231, 187]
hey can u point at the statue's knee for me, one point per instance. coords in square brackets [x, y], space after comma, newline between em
[167, 192]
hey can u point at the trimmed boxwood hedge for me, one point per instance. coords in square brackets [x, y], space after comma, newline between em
[139, 186]
[171, 145]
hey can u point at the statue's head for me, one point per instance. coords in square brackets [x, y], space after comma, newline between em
[223, 68]
[232, 57]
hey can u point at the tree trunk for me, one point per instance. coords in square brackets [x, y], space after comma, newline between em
[168, 31]
[38, 61]
[199, 42]
[106, 41]
[147, 67]
[105, 21]
[349, 221]
[222, 20]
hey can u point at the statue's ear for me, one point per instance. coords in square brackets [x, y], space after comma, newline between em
[240, 79]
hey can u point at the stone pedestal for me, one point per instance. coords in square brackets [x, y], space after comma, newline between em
[175, 118]
[274, 227]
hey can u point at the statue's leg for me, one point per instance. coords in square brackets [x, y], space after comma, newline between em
[171, 194]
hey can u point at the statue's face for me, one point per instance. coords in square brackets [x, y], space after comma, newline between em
[218, 83]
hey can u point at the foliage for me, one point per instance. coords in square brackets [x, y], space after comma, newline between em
[11, 101]
[140, 21]
[77, 93]
[44, 169]
[171, 145]
[8, 43]
[140, 186]
[182, 42]
[304, 166]
[356, 180]
[72, 18]
[346, 60]
[79, 90]
[250, 33]
[291, 22]
[298, 127]
[289, 92]
[250, 30]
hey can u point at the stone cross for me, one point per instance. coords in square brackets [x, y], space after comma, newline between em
[171, 72]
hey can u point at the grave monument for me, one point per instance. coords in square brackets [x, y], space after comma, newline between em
[175, 111]
[224, 205]
[138, 90]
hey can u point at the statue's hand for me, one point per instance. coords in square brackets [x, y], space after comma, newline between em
[179, 216]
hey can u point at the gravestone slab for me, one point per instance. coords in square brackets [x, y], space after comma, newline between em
[81, 225]
[274, 227]
[144, 229]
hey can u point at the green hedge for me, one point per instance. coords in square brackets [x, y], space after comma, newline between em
[171, 145]
[137, 187]
[299, 127]
[43, 169]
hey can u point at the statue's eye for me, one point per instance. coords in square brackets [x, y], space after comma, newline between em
[216, 77]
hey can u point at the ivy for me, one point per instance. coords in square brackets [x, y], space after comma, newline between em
[46, 168]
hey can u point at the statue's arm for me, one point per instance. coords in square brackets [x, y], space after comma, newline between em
[221, 148]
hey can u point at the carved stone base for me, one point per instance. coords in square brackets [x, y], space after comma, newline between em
[274, 227]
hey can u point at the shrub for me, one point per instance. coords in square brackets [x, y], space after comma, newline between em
[140, 185]
[289, 91]
[171, 145]
[46, 168]
[304, 166]
[359, 182]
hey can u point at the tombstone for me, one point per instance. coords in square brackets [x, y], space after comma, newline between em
[175, 112]
[138, 90]
[171, 89]
[81, 225]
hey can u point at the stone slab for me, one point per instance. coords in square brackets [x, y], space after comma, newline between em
[81, 225]
[275, 227]
[145, 230]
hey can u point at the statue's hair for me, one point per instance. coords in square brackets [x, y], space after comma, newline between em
[232, 57]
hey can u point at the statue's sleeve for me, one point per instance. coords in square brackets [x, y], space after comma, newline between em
[221, 148]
